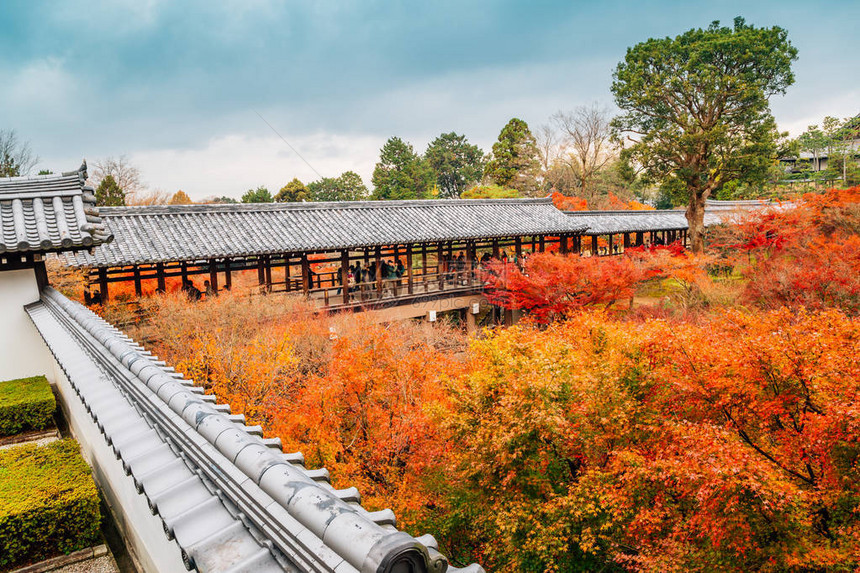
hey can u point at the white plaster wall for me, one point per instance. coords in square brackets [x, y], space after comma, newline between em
[22, 351]
[143, 532]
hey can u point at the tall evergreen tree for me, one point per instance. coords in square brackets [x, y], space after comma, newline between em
[401, 173]
[258, 195]
[109, 193]
[515, 162]
[347, 187]
[456, 162]
[293, 192]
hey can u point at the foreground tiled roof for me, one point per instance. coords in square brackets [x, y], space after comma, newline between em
[231, 500]
[195, 232]
[49, 213]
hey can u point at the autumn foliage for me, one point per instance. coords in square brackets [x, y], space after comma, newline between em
[550, 286]
[713, 427]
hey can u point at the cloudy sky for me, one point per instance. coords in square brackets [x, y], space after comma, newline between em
[182, 88]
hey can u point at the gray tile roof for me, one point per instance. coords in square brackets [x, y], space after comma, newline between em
[231, 500]
[195, 232]
[49, 213]
[614, 222]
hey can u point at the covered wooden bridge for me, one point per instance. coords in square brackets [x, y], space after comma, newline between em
[610, 232]
[397, 250]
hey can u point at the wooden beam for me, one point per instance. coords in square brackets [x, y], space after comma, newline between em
[378, 255]
[344, 274]
[213, 275]
[410, 283]
[306, 274]
[103, 284]
[440, 267]
[138, 289]
[159, 275]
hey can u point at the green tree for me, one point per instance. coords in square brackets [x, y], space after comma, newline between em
[292, 192]
[814, 142]
[696, 107]
[109, 193]
[401, 173]
[457, 163]
[45, 172]
[225, 200]
[515, 160]
[258, 195]
[347, 187]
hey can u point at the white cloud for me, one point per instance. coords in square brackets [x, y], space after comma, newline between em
[231, 164]
[799, 110]
[43, 84]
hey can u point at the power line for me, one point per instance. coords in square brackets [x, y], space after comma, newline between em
[288, 144]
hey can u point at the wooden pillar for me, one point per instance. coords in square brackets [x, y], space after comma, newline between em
[424, 266]
[541, 243]
[159, 276]
[640, 239]
[213, 275]
[103, 284]
[138, 289]
[471, 322]
[609, 250]
[593, 245]
[518, 247]
[228, 276]
[306, 274]
[344, 274]
[469, 258]
[496, 249]
[396, 282]
[287, 280]
[410, 283]
[440, 267]
[267, 261]
[378, 255]
[261, 274]
[183, 269]
[626, 241]
[562, 244]
[533, 247]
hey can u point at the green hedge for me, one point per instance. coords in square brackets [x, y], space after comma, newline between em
[26, 404]
[48, 503]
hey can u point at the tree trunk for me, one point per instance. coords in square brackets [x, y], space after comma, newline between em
[696, 221]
